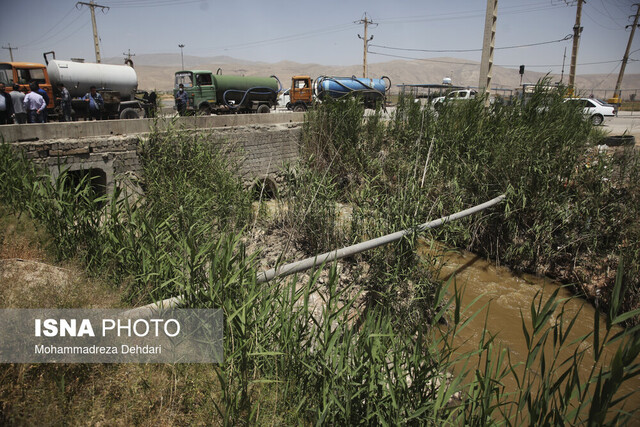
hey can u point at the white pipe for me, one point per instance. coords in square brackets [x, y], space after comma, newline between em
[317, 260]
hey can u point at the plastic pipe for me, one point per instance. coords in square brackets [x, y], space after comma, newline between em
[317, 260]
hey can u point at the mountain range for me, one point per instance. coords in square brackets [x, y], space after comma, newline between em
[155, 72]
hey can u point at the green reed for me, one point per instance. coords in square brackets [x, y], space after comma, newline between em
[380, 349]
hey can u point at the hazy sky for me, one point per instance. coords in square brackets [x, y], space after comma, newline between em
[325, 32]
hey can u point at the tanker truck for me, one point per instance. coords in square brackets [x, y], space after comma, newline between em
[216, 93]
[304, 91]
[116, 83]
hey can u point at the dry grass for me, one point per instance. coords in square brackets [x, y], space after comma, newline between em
[19, 237]
[81, 394]
[123, 394]
[29, 280]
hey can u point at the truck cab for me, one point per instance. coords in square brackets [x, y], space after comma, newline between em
[199, 87]
[301, 93]
[24, 73]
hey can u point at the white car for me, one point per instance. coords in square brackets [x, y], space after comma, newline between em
[456, 95]
[284, 99]
[593, 109]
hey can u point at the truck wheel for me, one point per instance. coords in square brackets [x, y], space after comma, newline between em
[204, 109]
[129, 113]
[300, 108]
[264, 108]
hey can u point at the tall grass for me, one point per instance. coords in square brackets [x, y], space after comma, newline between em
[338, 365]
[187, 171]
[379, 350]
[571, 211]
[191, 197]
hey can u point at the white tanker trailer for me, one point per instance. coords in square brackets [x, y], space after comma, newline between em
[78, 77]
[116, 83]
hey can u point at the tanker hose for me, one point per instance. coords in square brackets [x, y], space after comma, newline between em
[317, 84]
[279, 83]
[388, 87]
[259, 90]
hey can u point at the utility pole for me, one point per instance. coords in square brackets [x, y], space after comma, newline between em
[564, 57]
[366, 40]
[11, 49]
[577, 30]
[488, 44]
[129, 55]
[625, 58]
[181, 46]
[93, 6]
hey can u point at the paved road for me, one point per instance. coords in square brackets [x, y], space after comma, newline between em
[626, 121]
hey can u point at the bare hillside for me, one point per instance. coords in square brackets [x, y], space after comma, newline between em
[155, 72]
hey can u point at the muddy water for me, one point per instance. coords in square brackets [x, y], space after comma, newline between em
[509, 296]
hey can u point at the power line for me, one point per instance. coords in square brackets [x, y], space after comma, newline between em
[475, 64]
[152, 3]
[606, 13]
[75, 30]
[558, 65]
[470, 14]
[607, 76]
[307, 34]
[595, 21]
[424, 59]
[567, 37]
[42, 37]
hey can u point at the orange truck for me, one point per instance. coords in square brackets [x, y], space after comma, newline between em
[116, 83]
[24, 73]
[300, 94]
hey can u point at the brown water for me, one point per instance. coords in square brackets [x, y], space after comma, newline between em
[510, 296]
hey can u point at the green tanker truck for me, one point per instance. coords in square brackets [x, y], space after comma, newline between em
[215, 93]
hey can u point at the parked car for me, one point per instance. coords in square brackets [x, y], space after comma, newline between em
[284, 99]
[456, 95]
[593, 109]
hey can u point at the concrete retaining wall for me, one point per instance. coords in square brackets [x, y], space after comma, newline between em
[262, 149]
[49, 131]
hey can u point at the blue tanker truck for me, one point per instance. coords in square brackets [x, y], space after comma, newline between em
[304, 90]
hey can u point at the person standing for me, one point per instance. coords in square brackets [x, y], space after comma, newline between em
[34, 105]
[6, 106]
[17, 99]
[153, 104]
[65, 103]
[96, 103]
[45, 96]
[181, 100]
